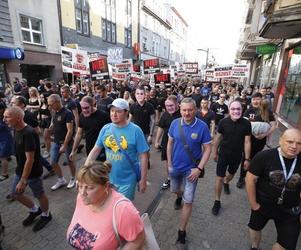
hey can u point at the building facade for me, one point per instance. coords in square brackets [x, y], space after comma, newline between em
[98, 26]
[277, 61]
[35, 28]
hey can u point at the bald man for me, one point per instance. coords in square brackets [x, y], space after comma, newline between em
[28, 170]
[273, 185]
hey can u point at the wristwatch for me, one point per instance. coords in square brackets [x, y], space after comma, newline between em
[248, 159]
[23, 181]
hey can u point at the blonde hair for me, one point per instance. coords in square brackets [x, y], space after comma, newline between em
[35, 90]
[96, 172]
[264, 110]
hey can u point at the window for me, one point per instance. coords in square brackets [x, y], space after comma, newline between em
[82, 17]
[144, 42]
[128, 37]
[128, 25]
[31, 29]
[108, 24]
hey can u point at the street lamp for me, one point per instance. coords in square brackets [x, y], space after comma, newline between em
[207, 54]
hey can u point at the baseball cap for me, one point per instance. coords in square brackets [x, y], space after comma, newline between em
[120, 104]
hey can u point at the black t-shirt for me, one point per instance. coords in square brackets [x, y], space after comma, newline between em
[27, 140]
[197, 98]
[164, 123]
[220, 111]
[92, 125]
[60, 120]
[214, 97]
[30, 119]
[267, 166]
[103, 103]
[69, 104]
[233, 133]
[207, 118]
[141, 115]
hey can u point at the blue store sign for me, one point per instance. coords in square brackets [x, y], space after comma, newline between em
[10, 53]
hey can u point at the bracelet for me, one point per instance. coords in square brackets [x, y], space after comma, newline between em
[23, 181]
[247, 159]
[201, 169]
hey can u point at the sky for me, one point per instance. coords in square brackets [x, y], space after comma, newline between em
[214, 24]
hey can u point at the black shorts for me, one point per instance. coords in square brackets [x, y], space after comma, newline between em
[227, 163]
[287, 225]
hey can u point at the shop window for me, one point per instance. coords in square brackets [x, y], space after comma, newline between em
[291, 103]
[31, 29]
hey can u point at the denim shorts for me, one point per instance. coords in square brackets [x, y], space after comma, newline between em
[179, 180]
[35, 184]
[55, 155]
[127, 190]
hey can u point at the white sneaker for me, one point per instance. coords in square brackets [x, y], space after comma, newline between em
[46, 154]
[59, 184]
[71, 183]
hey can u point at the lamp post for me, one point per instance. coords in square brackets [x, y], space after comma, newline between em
[207, 54]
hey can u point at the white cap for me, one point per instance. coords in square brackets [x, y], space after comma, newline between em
[120, 104]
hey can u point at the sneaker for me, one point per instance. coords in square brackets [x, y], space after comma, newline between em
[59, 184]
[166, 184]
[42, 222]
[240, 183]
[178, 203]
[50, 173]
[226, 188]
[46, 154]
[71, 183]
[10, 197]
[181, 237]
[31, 217]
[216, 207]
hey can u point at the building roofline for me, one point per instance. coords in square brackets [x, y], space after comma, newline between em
[179, 15]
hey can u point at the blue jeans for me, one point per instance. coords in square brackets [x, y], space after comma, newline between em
[55, 155]
[179, 179]
[35, 184]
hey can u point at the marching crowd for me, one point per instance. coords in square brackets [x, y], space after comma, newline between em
[119, 120]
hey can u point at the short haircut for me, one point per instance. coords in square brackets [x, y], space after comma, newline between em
[188, 100]
[89, 100]
[20, 99]
[15, 111]
[66, 87]
[55, 98]
[140, 88]
[257, 94]
[172, 98]
[95, 172]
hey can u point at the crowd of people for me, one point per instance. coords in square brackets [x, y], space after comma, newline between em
[119, 120]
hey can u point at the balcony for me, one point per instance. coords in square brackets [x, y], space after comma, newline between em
[281, 19]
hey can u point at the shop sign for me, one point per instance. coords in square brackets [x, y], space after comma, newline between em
[99, 69]
[74, 60]
[115, 55]
[10, 53]
[240, 70]
[266, 49]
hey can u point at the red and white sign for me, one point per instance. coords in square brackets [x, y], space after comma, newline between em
[75, 61]
[240, 70]
[223, 71]
[99, 69]
[126, 66]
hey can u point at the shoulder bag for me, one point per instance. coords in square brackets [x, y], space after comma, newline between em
[150, 239]
[188, 151]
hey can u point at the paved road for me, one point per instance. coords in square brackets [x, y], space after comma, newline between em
[227, 231]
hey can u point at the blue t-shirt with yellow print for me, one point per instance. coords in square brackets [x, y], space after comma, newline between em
[131, 139]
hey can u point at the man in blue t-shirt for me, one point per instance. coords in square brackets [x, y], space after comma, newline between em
[130, 144]
[187, 163]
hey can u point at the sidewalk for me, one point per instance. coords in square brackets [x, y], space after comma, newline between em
[227, 231]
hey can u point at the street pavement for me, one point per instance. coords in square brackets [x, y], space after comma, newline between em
[227, 231]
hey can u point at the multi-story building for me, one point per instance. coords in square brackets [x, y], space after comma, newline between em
[178, 36]
[279, 23]
[8, 51]
[154, 31]
[100, 26]
[35, 28]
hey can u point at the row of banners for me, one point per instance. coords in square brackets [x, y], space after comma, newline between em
[79, 62]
